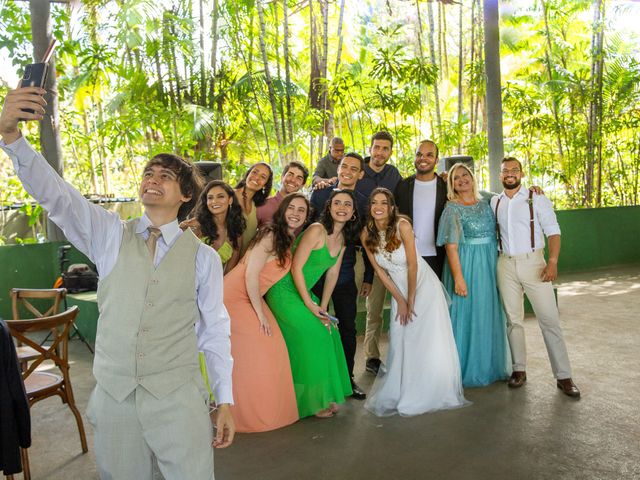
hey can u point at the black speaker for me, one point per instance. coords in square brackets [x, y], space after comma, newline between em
[446, 163]
[209, 170]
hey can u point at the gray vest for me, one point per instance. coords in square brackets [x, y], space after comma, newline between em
[146, 333]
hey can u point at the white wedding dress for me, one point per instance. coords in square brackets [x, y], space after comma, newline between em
[422, 369]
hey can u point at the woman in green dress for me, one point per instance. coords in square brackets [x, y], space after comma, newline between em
[252, 191]
[320, 376]
[218, 221]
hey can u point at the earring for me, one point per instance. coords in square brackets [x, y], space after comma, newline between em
[353, 217]
[263, 191]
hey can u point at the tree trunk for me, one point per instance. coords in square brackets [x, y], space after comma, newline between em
[331, 126]
[214, 53]
[460, 74]
[287, 70]
[554, 101]
[267, 76]
[434, 61]
[493, 87]
[280, 99]
[50, 145]
[594, 134]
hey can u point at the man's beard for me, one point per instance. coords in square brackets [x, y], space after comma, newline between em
[511, 186]
[425, 170]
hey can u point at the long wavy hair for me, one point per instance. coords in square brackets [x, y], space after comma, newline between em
[261, 195]
[235, 221]
[350, 230]
[282, 241]
[372, 237]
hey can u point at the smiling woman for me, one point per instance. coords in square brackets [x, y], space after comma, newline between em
[262, 382]
[318, 364]
[218, 221]
[252, 191]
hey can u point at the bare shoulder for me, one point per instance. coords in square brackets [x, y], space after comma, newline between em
[404, 226]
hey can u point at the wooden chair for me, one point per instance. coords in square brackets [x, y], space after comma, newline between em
[22, 307]
[41, 385]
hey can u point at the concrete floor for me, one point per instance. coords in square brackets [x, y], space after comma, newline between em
[531, 433]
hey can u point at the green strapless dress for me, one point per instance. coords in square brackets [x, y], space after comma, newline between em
[318, 365]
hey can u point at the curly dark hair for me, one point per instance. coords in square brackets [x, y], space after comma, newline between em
[189, 179]
[261, 195]
[282, 241]
[350, 230]
[372, 239]
[235, 221]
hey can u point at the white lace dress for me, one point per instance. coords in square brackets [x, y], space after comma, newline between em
[422, 369]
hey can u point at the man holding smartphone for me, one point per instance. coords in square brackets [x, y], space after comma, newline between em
[156, 283]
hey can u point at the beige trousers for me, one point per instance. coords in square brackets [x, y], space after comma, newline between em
[375, 304]
[521, 274]
[176, 431]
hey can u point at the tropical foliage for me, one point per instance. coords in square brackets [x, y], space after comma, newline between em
[242, 81]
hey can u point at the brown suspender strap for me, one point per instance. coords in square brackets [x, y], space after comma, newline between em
[498, 224]
[531, 223]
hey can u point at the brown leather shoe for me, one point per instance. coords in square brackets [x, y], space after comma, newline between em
[517, 379]
[568, 387]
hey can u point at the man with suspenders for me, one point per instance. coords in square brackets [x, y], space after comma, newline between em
[523, 219]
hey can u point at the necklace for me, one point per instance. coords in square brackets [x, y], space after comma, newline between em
[383, 245]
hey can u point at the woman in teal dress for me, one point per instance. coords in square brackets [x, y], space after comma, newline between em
[467, 229]
[218, 221]
[320, 376]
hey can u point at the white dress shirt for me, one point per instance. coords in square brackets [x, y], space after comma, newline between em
[513, 218]
[97, 233]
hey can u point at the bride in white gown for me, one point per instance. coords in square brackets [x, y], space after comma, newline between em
[423, 369]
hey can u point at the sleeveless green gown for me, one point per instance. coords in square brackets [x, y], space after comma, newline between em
[318, 365]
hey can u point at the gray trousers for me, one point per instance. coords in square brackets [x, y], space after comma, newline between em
[175, 431]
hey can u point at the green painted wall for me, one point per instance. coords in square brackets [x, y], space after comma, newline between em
[30, 266]
[599, 237]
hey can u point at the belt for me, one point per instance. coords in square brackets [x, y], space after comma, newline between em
[524, 256]
[480, 241]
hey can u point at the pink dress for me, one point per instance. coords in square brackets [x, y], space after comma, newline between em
[264, 398]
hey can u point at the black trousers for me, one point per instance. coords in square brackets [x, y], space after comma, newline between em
[345, 306]
[436, 263]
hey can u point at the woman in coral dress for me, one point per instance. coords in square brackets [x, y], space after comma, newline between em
[264, 398]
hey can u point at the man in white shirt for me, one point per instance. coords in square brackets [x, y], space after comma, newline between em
[524, 219]
[422, 198]
[156, 283]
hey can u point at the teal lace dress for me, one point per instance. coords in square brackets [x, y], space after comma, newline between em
[478, 320]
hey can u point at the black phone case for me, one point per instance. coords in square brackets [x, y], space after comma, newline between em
[35, 75]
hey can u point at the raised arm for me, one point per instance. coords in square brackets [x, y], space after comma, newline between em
[257, 258]
[90, 228]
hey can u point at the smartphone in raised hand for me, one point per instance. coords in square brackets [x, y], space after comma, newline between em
[35, 74]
